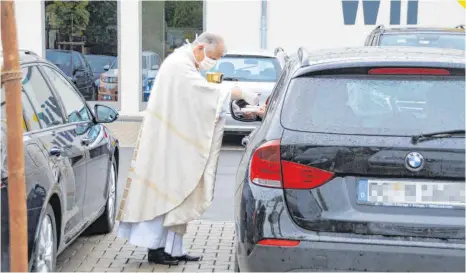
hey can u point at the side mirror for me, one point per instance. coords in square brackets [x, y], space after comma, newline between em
[107, 67]
[155, 67]
[78, 69]
[238, 114]
[105, 114]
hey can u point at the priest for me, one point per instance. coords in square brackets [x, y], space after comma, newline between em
[172, 174]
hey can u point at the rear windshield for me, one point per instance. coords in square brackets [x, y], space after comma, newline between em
[248, 68]
[377, 105]
[453, 41]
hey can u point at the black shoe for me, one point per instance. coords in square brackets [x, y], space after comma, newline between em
[188, 258]
[159, 256]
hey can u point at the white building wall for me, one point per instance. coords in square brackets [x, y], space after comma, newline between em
[314, 24]
[237, 21]
[30, 23]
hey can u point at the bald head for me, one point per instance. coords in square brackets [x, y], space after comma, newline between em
[212, 44]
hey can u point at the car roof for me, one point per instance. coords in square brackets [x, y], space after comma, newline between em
[381, 56]
[26, 56]
[62, 50]
[400, 30]
[251, 53]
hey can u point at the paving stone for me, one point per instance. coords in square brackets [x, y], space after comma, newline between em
[214, 241]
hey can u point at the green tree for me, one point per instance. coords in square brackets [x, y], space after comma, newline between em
[70, 17]
[101, 31]
[184, 14]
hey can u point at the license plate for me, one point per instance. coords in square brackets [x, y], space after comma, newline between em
[106, 97]
[422, 194]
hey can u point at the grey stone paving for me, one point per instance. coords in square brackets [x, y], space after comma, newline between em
[213, 240]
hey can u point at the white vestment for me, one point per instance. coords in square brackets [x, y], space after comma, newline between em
[165, 230]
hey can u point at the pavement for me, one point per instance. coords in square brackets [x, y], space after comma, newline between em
[212, 236]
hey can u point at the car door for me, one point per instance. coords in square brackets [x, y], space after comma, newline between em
[97, 161]
[55, 139]
[79, 77]
[87, 71]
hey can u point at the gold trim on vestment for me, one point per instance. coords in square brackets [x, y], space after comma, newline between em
[172, 128]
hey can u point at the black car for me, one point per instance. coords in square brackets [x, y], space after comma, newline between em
[76, 68]
[71, 165]
[453, 38]
[358, 165]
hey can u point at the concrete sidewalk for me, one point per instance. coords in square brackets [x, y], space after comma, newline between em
[213, 240]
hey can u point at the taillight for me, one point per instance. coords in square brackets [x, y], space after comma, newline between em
[269, 171]
[265, 165]
[408, 71]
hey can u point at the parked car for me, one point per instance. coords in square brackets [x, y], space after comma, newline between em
[453, 38]
[150, 64]
[108, 89]
[98, 63]
[359, 165]
[147, 83]
[257, 72]
[71, 165]
[76, 68]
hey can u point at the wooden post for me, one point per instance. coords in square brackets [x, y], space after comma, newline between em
[11, 80]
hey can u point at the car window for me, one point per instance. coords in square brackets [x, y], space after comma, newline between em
[30, 120]
[75, 108]
[76, 61]
[144, 62]
[36, 89]
[249, 68]
[62, 59]
[380, 105]
[453, 41]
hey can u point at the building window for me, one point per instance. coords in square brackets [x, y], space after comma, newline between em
[82, 40]
[166, 25]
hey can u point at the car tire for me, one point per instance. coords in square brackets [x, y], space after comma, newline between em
[105, 223]
[236, 268]
[45, 247]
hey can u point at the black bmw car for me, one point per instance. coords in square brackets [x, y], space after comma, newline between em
[358, 165]
[71, 165]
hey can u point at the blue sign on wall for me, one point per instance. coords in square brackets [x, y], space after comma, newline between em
[371, 11]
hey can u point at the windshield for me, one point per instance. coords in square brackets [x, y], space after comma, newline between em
[248, 68]
[98, 62]
[62, 59]
[453, 41]
[379, 105]
[115, 64]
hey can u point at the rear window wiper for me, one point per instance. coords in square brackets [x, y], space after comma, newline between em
[442, 134]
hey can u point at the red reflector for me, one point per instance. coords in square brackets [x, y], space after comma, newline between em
[298, 176]
[408, 71]
[265, 165]
[278, 242]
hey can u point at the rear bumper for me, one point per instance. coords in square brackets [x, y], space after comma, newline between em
[339, 256]
[261, 213]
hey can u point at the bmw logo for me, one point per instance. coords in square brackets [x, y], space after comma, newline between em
[414, 161]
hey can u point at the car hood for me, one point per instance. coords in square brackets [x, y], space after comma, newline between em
[111, 73]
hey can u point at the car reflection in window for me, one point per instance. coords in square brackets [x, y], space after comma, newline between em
[76, 116]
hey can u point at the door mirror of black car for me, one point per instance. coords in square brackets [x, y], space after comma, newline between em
[107, 67]
[155, 67]
[79, 70]
[238, 113]
[105, 114]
